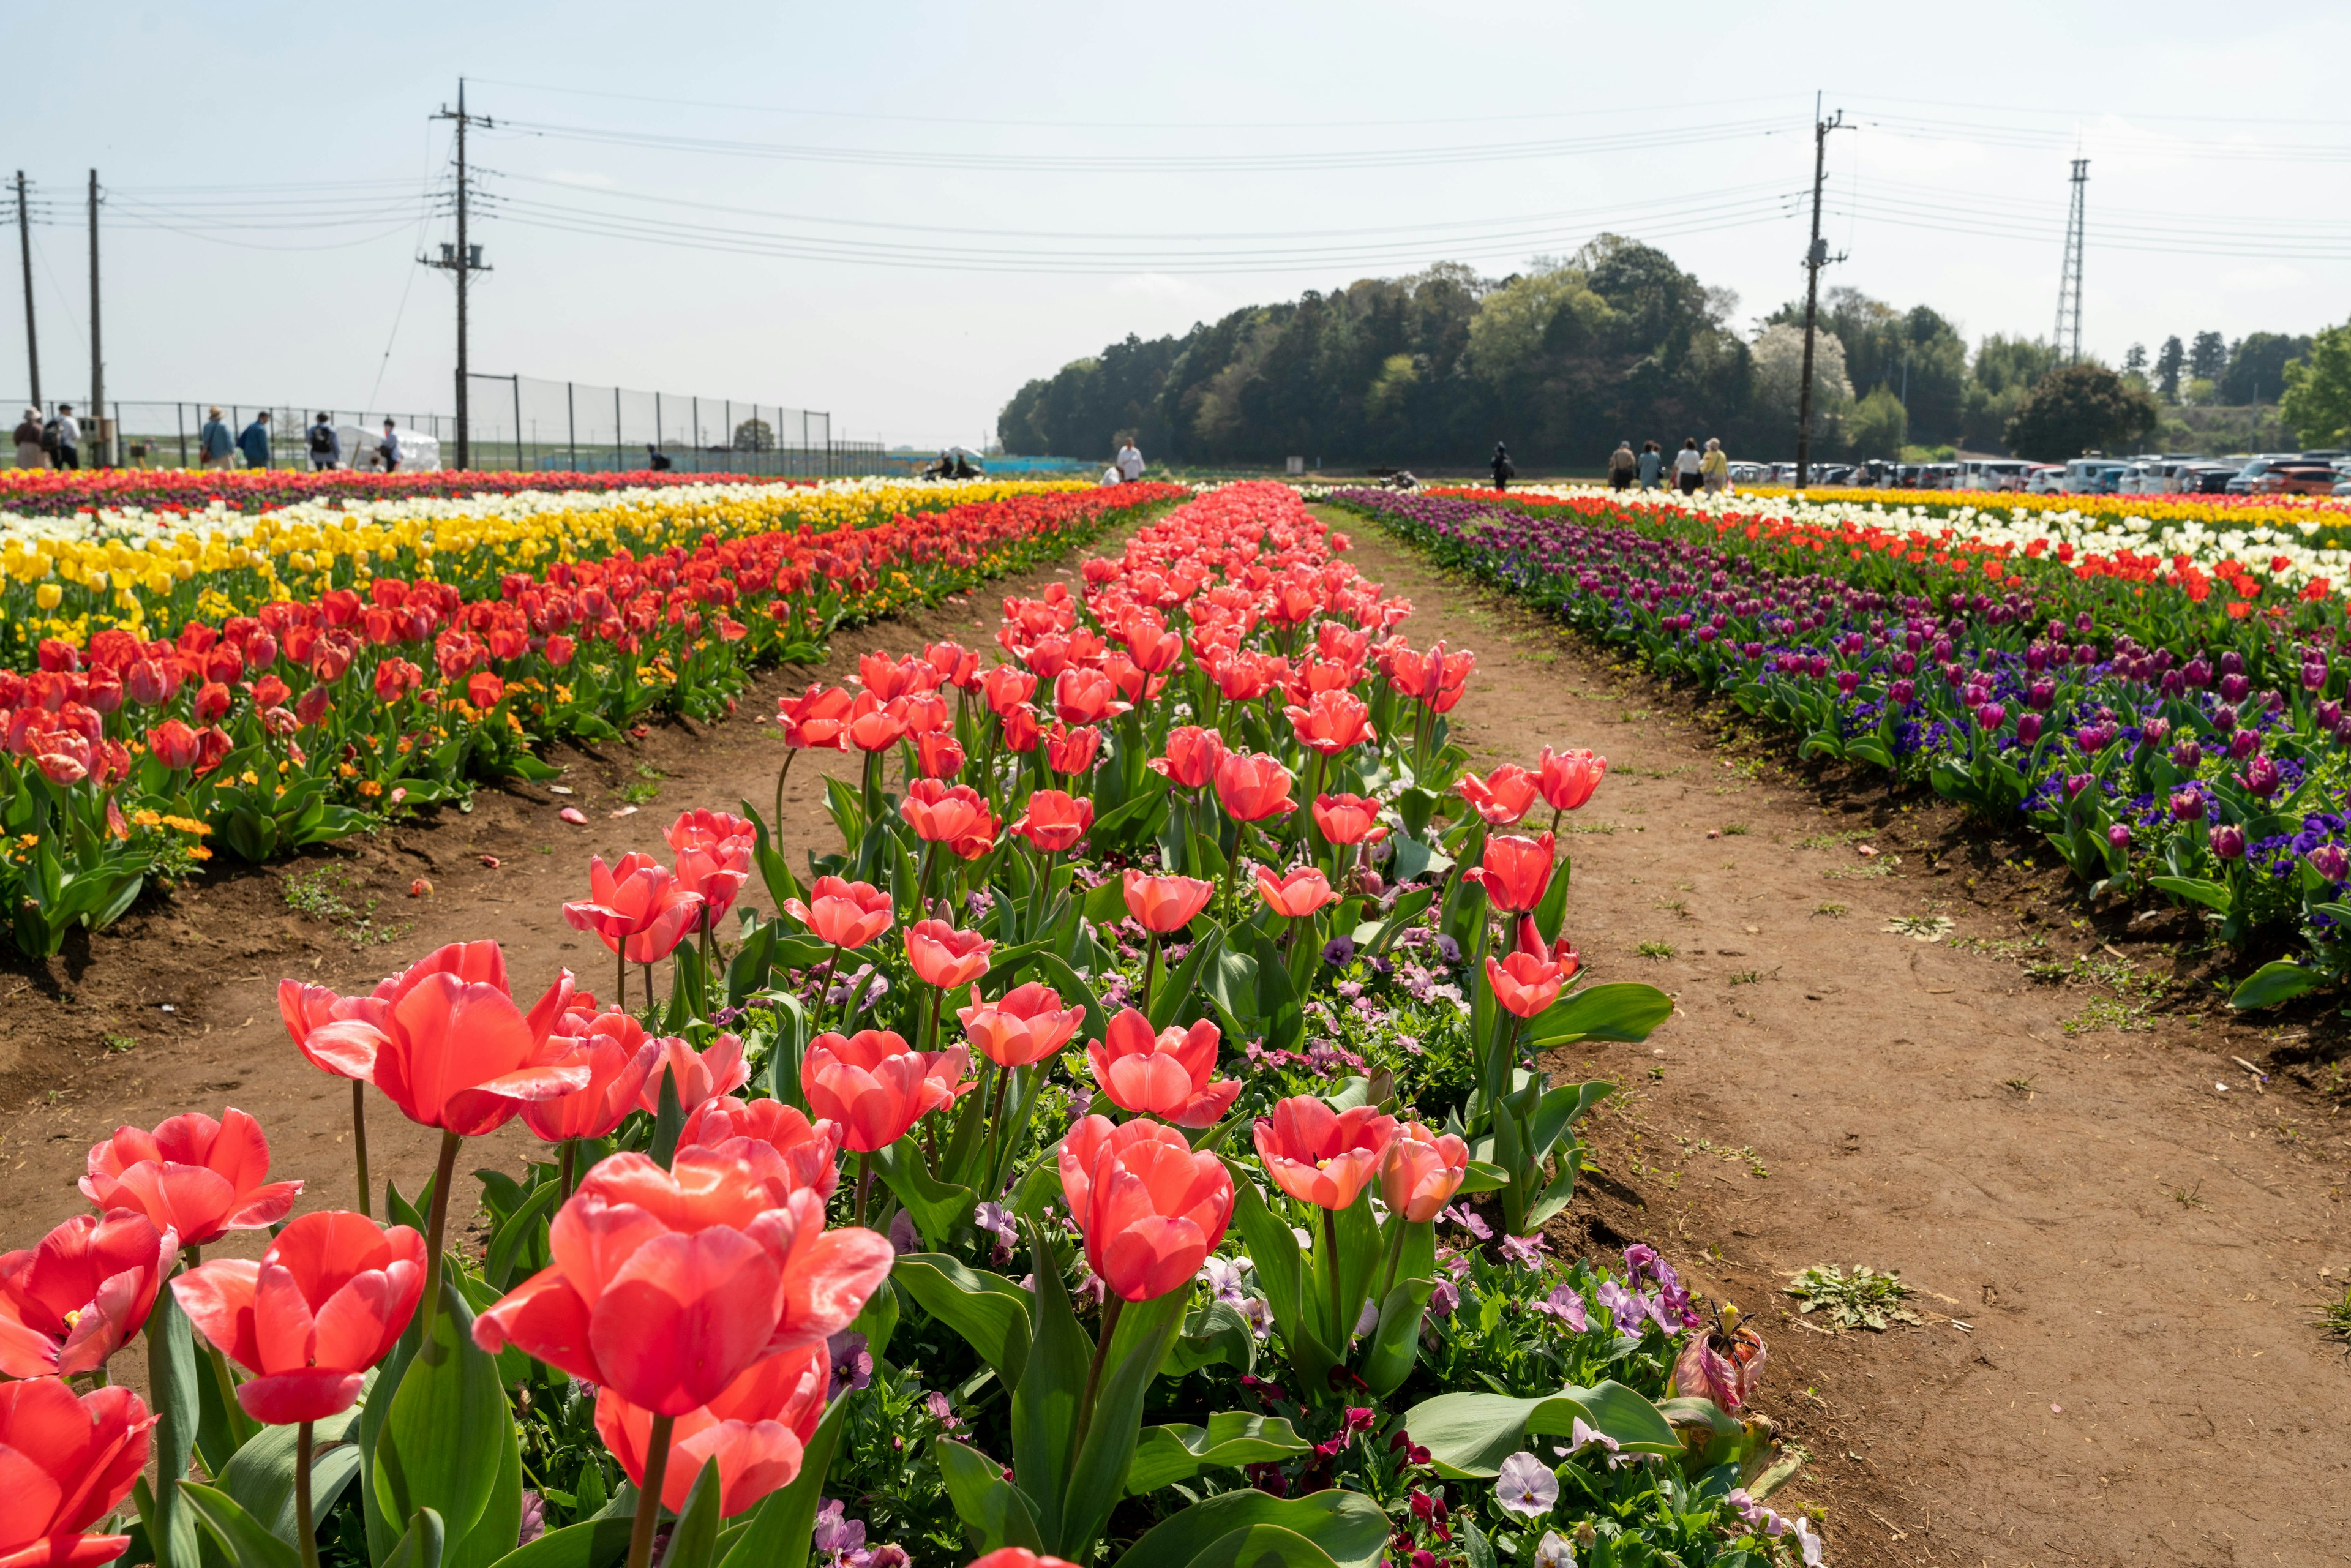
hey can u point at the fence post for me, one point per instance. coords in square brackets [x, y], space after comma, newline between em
[180, 412]
[619, 462]
[517, 402]
[571, 427]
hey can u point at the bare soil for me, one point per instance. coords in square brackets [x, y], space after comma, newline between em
[2116, 1233]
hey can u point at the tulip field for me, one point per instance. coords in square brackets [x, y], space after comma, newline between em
[92, 492]
[1124, 1146]
[2170, 717]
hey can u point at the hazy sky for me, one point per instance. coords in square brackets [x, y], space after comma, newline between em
[816, 185]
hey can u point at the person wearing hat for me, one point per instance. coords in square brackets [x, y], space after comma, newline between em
[29, 441]
[215, 444]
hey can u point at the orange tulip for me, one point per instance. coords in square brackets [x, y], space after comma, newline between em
[1192, 756]
[1523, 984]
[1054, 821]
[1151, 1209]
[1072, 750]
[1022, 730]
[1171, 1075]
[820, 718]
[872, 726]
[71, 1462]
[945, 956]
[1085, 697]
[192, 1176]
[1024, 1026]
[1165, 904]
[1345, 820]
[619, 1054]
[326, 1301]
[809, 1151]
[1503, 796]
[71, 1301]
[873, 1086]
[942, 814]
[669, 1285]
[1567, 778]
[1424, 1170]
[1332, 722]
[845, 913]
[1514, 871]
[1252, 787]
[699, 1076]
[1322, 1157]
[938, 756]
[1561, 952]
[713, 859]
[636, 907]
[757, 1428]
[1297, 896]
[1008, 691]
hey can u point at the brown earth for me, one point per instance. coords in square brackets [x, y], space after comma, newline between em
[2116, 1259]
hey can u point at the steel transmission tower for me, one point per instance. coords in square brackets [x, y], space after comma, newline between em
[2068, 339]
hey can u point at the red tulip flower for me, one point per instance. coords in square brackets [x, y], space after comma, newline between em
[71, 1301]
[1252, 787]
[1082, 697]
[1322, 1157]
[1192, 756]
[620, 1056]
[1151, 1210]
[1072, 750]
[1022, 730]
[307, 1009]
[938, 757]
[1524, 985]
[872, 726]
[1515, 871]
[713, 858]
[669, 1285]
[1165, 904]
[922, 713]
[1424, 1170]
[957, 665]
[173, 744]
[943, 813]
[1503, 796]
[1008, 691]
[1297, 896]
[757, 1429]
[70, 1463]
[1023, 1026]
[636, 907]
[1171, 1075]
[1567, 778]
[889, 679]
[1562, 953]
[809, 1151]
[945, 956]
[451, 1048]
[326, 1301]
[1332, 722]
[845, 913]
[1019, 1557]
[192, 1176]
[1435, 679]
[700, 1075]
[819, 718]
[873, 1086]
[1344, 819]
[1054, 821]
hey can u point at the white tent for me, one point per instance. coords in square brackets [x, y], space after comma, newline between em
[419, 453]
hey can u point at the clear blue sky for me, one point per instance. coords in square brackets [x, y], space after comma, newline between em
[1047, 131]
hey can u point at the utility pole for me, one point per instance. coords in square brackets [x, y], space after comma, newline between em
[465, 259]
[2068, 339]
[25, 247]
[97, 358]
[1816, 255]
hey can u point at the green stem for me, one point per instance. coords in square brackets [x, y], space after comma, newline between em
[359, 1139]
[1330, 1261]
[620, 985]
[864, 1187]
[1150, 972]
[995, 1126]
[306, 1529]
[565, 1162]
[1112, 1305]
[824, 992]
[436, 1224]
[241, 1427]
[1396, 1254]
[649, 1507]
[649, 989]
[781, 774]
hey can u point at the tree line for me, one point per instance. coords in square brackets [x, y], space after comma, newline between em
[1571, 355]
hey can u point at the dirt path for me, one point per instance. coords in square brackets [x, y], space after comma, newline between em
[2134, 1252]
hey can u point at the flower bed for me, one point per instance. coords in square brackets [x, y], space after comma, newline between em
[2173, 730]
[1198, 853]
[62, 493]
[407, 658]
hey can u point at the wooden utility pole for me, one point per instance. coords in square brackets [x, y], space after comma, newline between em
[465, 259]
[1816, 255]
[24, 249]
[97, 356]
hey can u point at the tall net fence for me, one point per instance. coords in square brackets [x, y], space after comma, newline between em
[514, 422]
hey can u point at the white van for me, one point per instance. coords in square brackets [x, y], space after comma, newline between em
[1992, 474]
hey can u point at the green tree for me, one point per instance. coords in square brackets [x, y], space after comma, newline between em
[2257, 364]
[1878, 426]
[2079, 408]
[2208, 356]
[2169, 363]
[2317, 401]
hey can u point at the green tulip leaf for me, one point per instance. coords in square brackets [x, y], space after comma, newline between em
[1348, 1529]
[1620, 1011]
[448, 1423]
[990, 1507]
[1469, 1436]
[1164, 1455]
[247, 1542]
[988, 1309]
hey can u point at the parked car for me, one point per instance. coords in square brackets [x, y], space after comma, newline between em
[2045, 479]
[2094, 476]
[2249, 477]
[2205, 478]
[2298, 479]
[1993, 475]
[1750, 473]
[2158, 475]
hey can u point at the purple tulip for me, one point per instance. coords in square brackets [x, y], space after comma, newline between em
[2233, 662]
[2234, 687]
[2244, 743]
[2186, 806]
[2118, 835]
[2331, 861]
[2076, 782]
[1991, 716]
[2094, 739]
[2198, 674]
[2229, 841]
[2155, 732]
[2260, 778]
[1901, 692]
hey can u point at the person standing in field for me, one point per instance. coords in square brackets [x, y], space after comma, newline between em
[388, 449]
[326, 446]
[1500, 464]
[1714, 468]
[1130, 462]
[1652, 464]
[1686, 463]
[68, 438]
[254, 441]
[214, 444]
[29, 453]
[1621, 464]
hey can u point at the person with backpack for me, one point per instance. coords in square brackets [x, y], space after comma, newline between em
[388, 449]
[1652, 464]
[326, 446]
[30, 454]
[64, 438]
[254, 441]
[1500, 464]
[1621, 464]
[214, 444]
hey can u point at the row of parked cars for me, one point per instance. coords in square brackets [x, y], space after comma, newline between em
[2172, 474]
